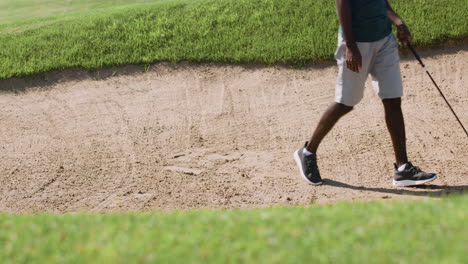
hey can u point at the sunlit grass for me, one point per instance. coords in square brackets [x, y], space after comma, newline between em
[429, 231]
[292, 32]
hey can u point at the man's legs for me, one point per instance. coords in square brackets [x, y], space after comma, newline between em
[305, 157]
[407, 175]
[385, 71]
[326, 123]
[393, 117]
[396, 128]
[349, 90]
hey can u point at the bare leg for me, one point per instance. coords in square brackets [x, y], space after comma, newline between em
[326, 123]
[396, 127]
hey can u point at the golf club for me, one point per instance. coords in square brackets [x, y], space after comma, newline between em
[427, 71]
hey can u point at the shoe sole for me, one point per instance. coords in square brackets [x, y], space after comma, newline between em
[299, 164]
[405, 183]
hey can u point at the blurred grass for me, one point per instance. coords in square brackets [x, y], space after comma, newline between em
[107, 33]
[20, 10]
[427, 231]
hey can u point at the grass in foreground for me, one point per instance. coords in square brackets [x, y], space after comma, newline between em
[429, 231]
[235, 31]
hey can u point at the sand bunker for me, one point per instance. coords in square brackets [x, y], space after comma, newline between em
[215, 136]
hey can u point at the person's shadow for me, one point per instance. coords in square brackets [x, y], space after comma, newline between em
[433, 190]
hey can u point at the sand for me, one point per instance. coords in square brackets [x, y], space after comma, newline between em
[218, 136]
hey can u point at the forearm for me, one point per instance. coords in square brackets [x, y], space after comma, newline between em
[344, 16]
[393, 16]
[403, 32]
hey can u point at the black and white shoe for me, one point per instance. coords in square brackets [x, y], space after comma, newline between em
[308, 166]
[411, 175]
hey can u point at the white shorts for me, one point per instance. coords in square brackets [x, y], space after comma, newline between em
[380, 59]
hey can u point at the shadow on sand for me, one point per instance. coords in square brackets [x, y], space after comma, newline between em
[432, 190]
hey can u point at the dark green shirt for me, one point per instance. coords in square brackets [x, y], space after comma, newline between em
[369, 19]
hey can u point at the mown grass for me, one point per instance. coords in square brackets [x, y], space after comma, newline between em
[12, 11]
[429, 231]
[234, 31]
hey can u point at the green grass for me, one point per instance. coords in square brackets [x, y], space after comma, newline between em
[95, 34]
[429, 231]
[25, 10]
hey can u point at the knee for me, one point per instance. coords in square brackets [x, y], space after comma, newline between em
[392, 104]
[342, 109]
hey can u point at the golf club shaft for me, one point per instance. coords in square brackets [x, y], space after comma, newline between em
[432, 79]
